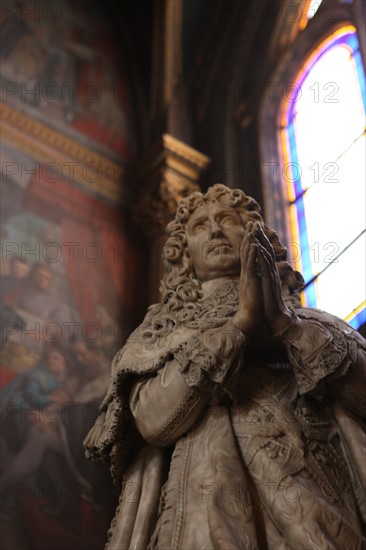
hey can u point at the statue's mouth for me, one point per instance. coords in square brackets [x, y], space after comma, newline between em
[218, 246]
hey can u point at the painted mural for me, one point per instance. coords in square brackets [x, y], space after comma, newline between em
[69, 269]
[59, 60]
[67, 282]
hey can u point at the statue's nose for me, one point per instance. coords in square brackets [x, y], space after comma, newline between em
[216, 230]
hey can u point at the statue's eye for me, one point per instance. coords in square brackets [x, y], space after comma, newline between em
[228, 220]
[199, 227]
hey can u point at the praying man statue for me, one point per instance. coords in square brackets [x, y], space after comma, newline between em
[233, 418]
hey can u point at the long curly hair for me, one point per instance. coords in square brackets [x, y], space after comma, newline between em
[180, 289]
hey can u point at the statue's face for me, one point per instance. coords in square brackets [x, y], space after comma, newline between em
[214, 236]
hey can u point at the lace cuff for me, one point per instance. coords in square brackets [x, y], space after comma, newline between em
[316, 351]
[205, 359]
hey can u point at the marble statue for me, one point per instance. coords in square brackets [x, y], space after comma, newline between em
[233, 415]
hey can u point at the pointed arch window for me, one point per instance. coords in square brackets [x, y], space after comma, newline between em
[322, 147]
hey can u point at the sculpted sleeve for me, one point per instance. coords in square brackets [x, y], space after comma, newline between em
[166, 406]
[182, 371]
[327, 354]
[210, 353]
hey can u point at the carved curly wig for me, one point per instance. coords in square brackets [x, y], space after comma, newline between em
[180, 289]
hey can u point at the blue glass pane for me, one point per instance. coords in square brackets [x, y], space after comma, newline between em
[358, 320]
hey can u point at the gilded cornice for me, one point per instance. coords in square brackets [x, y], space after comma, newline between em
[74, 161]
[168, 173]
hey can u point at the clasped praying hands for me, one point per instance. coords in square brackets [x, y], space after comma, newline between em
[260, 294]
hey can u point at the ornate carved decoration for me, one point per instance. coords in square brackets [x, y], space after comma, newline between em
[170, 172]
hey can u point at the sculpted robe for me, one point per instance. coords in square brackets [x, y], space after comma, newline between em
[220, 443]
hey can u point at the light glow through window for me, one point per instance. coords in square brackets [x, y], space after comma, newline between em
[322, 137]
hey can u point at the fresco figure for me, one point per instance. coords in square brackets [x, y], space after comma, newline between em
[39, 394]
[94, 371]
[232, 418]
[38, 296]
[13, 283]
[38, 304]
[11, 288]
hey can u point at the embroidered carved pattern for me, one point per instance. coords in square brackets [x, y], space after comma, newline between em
[221, 305]
[327, 468]
[314, 424]
[196, 360]
[192, 400]
[327, 361]
[181, 495]
[266, 423]
[335, 357]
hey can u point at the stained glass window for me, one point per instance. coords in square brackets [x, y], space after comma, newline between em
[322, 136]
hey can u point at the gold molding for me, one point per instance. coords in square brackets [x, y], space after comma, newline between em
[185, 151]
[46, 145]
[170, 171]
